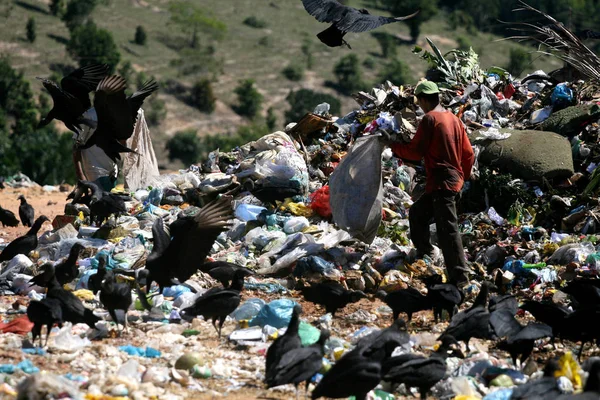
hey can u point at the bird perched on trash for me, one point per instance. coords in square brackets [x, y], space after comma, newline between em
[44, 277]
[115, 296]
[217, 303]
[67, 270]
[72, 308]
[352, 375]
[192, 238]
[276, 190]
[548, 313]
[288, 341]
[44, 312]
[331, 295]
[103, 204]
[585, 291]
[345, 19]
[117, 114]
[24, 244]
[442, 296]
[223, 271]
[380, 345]
[299, 365]
[95, 280]
[473, 322]
[71, 99]
[408, 301]
[8, 218]
[545, 387]
[26, 212]
[520, 339]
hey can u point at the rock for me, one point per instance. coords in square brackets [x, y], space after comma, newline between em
[568, 122]
[46, 386]
[530, 155]
[189, 360]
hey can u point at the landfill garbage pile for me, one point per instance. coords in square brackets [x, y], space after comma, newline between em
[319, 212]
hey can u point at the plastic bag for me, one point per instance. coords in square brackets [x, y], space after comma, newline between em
[276, 314]
[356, 192]
[562, 95]
[319, 201]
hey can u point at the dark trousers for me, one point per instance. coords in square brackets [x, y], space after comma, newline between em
[439, 206]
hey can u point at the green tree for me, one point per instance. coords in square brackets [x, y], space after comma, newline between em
[347, 72]
[202, 96]
[140, 36]
[155, 110]
[91, 45]
[228, 142]
[58, 7]
[78, 12]
[193, 21]
[271, 119]
[249, 99]
[31, 30]
[184, 146]
[254, 22]
[428, 8]
[396, 72]
[388, 44]
[293, 72]
[305, 100]
[519, 60]
[307, 48]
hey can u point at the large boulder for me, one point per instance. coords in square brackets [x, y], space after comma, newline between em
[530, 155]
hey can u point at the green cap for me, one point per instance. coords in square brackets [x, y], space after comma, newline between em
[426, 87]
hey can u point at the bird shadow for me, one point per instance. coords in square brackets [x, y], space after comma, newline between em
[130, 51]
[31, 7]
[59, 39]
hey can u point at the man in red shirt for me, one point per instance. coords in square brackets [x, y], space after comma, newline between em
[442, 141]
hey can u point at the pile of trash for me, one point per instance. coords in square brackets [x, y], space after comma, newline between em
[324, 201]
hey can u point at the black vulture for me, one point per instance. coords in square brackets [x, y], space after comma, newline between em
[67, 270]
[548, 313]
[157, 262]
[26, 212]
[345, 19]
[117, 114]
[95, 280]
[299, 365]
[8, 218]
[44, 277]
[287, 342]
[380, 345]
[24, 244]
[103, 204]
[331, 295]
[115, 296]
[44, 312]
[73, 309]
[223, 271]
[71, 99]
[217, 303]
[442, 296]
[408, 301]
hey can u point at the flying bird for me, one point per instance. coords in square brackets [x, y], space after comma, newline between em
[8, 218]
[71, 99]
[26, 212]
[345, 19]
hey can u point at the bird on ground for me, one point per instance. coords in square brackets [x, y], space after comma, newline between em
[26, 212]
[71, 99]
[72, 308]
[284, 343]
[331, 295]
[473, 322]
[115, 296]
[380, 345]
[298, 365]
[44, 312]
[103, 204]
[275, 191]
[408, 301]
[67, 270]
[217, 303]
[223, 271]
[585, 291]
[352, 375]
[577, 327]
[543, 388]
[345, 19]
[44, 277]
[95, 280]
[442, 296]
[8, 218]
[548, 313]
[520, 339]
[26, 243]
[117, 114]
[80, 194]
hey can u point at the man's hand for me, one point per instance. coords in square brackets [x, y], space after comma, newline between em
[385, 137]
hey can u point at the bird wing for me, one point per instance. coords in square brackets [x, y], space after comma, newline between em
[112, 108]
[17, 246]
[504, 302]
[82, 81]
[137, 99]
[189, 251]
[160, 238]
[504, 323]
[326, 10]
[418, 370]
[532, 331]
[296, 365]
[62, 99]
[448, 292]
[215, 302]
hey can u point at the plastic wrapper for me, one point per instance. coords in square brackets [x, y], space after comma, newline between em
[276, 313]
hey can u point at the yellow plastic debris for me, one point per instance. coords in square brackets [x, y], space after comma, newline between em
[570, 369]
[466, 397]
[338, 352]
[103, 397]
[550, 248]
[84, 294]
[300, 209]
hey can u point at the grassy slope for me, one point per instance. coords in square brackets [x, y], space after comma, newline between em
[243, 57]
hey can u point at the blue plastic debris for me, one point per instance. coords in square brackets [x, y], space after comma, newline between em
[148, 352]
[175, 291]
[276, 314]
[35, 350]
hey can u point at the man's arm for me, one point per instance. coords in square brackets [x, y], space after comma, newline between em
[415, 150]
[77, 161]
[468, 156]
